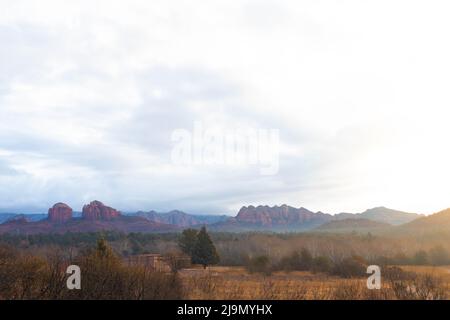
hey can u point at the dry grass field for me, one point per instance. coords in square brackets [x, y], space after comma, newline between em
[443, 272]
[236, 283]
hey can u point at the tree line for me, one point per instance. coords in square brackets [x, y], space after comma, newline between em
[104, 275]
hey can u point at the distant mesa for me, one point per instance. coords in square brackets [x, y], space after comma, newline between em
[59, 213]
[98, 211]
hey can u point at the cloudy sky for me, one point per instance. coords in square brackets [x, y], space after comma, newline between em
[91, 93]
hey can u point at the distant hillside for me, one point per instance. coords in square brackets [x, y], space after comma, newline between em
[289, 219]
[123, 223]
[6, 216]
[352, 224]
[438, 222]
[383, 214]
[180, 218]
[30, 217]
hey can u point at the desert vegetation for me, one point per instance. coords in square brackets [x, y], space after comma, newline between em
[251, 266]
[235, 249]
[238, 283]
[104, 276]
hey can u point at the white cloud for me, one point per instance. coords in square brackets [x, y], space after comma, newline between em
[91, 90]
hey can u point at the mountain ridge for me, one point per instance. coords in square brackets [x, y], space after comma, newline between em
[179, 218]
[276, 218]
[286, 218]
[383, 214]
[95, 217]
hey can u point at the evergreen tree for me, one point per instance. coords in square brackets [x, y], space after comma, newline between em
[187, 241]
[204, 250]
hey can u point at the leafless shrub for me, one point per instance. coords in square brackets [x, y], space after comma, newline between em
[104, 276]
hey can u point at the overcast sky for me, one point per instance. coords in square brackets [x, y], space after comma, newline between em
[92, 91]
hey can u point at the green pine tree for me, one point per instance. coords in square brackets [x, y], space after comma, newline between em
[187, 241]
[204, 252]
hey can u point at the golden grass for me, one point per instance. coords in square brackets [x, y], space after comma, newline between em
[440, 271]
[228, 283]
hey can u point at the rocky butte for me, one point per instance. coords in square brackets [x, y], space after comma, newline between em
[60, 212]
[98, 211]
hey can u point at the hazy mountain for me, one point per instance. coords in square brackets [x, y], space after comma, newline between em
[352, 224]
[122, 223]
[6, 216]
[180, 218]
[382, 214]
[287, 218]
[30, 217]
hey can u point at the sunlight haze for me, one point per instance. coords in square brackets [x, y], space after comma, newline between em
[91, 92]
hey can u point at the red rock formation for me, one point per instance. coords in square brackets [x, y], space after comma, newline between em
[60, 212]
[98, 211]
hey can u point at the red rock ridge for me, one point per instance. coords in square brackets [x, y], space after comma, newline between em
[98, 211]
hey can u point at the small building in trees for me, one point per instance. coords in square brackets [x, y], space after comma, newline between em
[154, 261]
